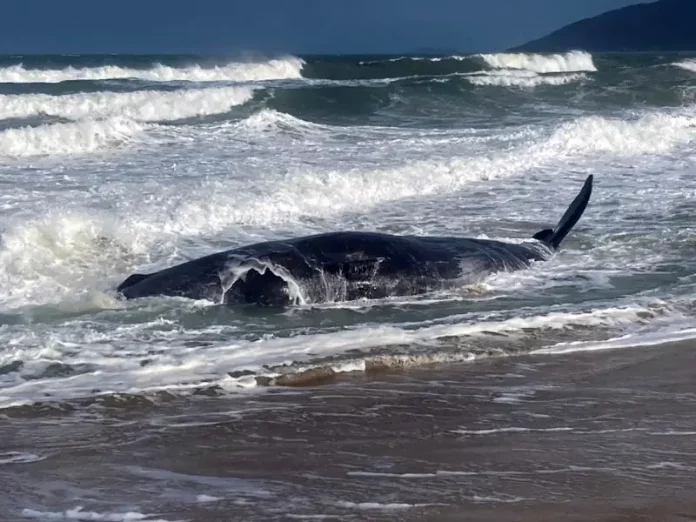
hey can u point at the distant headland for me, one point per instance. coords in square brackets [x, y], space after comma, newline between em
[665, 25]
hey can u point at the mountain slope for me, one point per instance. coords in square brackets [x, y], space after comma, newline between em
[666, 25]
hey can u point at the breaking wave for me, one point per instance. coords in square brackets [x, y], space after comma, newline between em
[139, 105]
[68, 138]
[278, 69]
[652, 133]
[53, 257]
[689, 65]
[523, 79]
[574, 61]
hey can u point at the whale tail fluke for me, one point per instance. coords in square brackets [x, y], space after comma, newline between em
[554, 237]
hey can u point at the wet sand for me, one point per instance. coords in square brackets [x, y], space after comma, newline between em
[603, 436]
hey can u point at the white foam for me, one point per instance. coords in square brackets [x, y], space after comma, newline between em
[49, 256]
[306, 191]
[689, 65]
[16, 457]
[670, 465]
[35, 269]
[207, 498]
[514, 397]
[485, 473]
[313, 517]
[512, 429]
[673, 433]
[515, 79]
[270, 120]
[511, 499]
[68, 138]
[91, 516]
[651, 133]
[138, 106]
[182, 368]
[626, 341]
[278, 69]
[379, 505]
[573, 61]
[302, 191]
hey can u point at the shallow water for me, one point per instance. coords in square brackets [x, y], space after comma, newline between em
[582, 436]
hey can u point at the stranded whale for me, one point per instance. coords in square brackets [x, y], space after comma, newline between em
[343, 266]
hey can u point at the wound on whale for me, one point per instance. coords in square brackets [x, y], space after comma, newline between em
[344, 266]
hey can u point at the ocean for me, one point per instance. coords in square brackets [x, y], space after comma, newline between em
[558, 391]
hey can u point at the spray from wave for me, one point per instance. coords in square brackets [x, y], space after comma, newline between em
[278, 69]
[688, 65]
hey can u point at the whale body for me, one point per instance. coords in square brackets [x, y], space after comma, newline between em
[344, 266]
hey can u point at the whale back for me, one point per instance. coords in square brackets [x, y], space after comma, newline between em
[131, 280]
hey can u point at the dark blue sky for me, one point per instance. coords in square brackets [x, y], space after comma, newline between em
[296, 26]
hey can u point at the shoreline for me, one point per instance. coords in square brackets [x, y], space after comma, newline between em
[585, 436]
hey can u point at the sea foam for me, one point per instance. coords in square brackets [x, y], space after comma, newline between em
[139, 105]
[574, 61]
[278, 69]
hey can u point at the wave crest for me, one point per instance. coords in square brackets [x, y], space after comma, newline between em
[523, 79]
[67, 138]
[573, 61]
[139, 105]
[278, 69]
[688, 65]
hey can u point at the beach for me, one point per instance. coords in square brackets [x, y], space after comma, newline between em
[586, 436]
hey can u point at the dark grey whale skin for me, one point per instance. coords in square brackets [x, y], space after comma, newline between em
[364, 264]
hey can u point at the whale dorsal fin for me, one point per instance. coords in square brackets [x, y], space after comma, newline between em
[572, 215]
[133, 279]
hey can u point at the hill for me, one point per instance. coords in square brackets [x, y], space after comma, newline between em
[665, 25]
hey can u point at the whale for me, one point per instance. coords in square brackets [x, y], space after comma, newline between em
[349, 265]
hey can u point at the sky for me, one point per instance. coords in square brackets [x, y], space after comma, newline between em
[292, 26]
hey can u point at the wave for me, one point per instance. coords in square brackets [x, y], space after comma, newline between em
[689, 65]
[393, 68]
[309, 192]
[627, 341]
[16, 457]
[405, 66]
[62, 254]
[247, 363]
[271, 120]
[140, 105]
[67, 138]
[278, 69]
[524, 79]
[653, 133]
[573, 61]
[412, 59]
[78, 513]
[37, 267]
